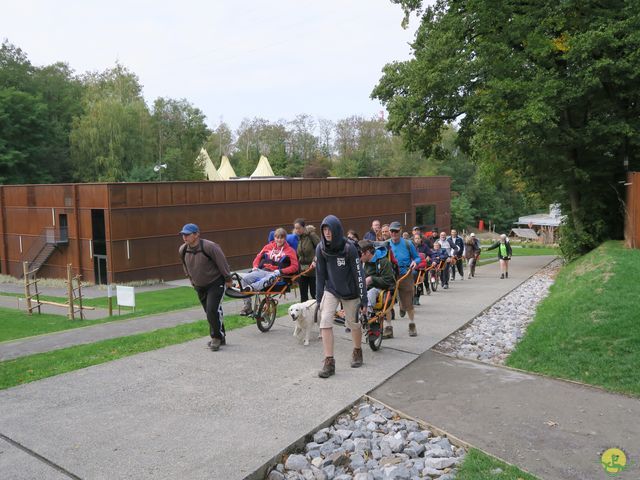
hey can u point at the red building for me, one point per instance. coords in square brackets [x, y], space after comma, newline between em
[120, 232]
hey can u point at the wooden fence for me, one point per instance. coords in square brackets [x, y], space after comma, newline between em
[632, 222]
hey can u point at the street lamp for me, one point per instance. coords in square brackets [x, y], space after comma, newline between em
[158, 169]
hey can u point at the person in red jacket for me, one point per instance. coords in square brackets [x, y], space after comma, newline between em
[276, 258]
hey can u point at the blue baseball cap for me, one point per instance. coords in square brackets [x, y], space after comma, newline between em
[189, 228]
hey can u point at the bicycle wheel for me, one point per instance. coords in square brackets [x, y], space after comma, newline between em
[266, 314]
[433, 280]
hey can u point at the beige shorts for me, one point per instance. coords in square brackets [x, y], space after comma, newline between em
[330, 304]
[405, 294]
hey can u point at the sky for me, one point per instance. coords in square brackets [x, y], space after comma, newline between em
[233, 60]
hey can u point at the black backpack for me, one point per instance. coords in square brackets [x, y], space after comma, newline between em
[200, 250]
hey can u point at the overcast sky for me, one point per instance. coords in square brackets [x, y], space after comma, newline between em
[273, 59]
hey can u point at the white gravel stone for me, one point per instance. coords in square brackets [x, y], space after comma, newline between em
[492, 336]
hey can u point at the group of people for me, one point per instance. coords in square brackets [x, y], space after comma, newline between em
[339, 271]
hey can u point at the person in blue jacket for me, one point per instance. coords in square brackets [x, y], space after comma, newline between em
[407, 258]
[440, 254]
[339, 280]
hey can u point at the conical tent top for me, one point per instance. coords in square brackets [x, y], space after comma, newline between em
[209, 168]
[226, 170]
[263, 169]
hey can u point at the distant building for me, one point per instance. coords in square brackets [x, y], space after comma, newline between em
[544, 225]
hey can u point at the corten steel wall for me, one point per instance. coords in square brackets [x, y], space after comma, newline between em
[632, 221]
[26, 210]
[145, 218]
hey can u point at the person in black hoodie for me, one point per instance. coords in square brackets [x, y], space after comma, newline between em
[339, 279]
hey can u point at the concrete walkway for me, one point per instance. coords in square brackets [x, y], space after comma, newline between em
[552, 428]
[186, 412]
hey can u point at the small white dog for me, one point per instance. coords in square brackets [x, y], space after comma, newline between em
[303, 315]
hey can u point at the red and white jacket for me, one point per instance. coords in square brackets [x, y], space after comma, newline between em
[272, 257]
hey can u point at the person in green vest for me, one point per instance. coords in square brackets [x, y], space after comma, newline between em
[504, 254]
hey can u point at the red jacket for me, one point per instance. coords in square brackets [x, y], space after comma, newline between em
[272, 257]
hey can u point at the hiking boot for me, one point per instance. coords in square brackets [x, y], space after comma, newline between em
[215, 344]
[502, 277]
[402, 313]
[328, 368]
[445, 286]
[223, 341]
[412, 330]
[506, 274]
[387, 332]
[246, 311]
[356, 358]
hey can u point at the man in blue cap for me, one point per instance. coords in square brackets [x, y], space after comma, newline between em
[207, 268]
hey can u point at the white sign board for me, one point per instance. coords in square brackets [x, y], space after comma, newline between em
[126, 296]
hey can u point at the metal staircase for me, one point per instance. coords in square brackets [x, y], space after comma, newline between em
[43, 247]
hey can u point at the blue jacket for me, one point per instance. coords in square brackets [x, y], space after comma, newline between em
[438, 255]
[338, 268]
[405, 252]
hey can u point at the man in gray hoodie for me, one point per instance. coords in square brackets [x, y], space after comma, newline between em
[339, 279]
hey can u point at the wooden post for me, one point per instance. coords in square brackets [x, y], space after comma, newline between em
[80, 296]
[71, 314]
[27, 293]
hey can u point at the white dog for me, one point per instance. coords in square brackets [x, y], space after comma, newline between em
[303, 315]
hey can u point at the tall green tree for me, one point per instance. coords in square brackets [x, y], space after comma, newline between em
[37, 105]
[114, 134]
[547, 89]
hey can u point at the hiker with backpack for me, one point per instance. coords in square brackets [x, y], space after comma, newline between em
[207, 268]
[339, 279]
[407, 257]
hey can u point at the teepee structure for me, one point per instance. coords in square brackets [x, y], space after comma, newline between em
[263, 169]
[209, 168]
[226, 171]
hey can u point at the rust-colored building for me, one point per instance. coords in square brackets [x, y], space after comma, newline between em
[121, 232]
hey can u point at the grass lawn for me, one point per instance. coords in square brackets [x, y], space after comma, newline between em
[492, 256]
[587, 328]
[35, 367]
[16, 324]
[478, 466]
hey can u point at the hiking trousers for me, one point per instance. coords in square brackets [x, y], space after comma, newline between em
[211, 297]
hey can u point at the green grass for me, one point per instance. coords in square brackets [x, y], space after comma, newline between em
[587, 328]
[478, 466]
[492, 256]
[16, 324]
[35, 367]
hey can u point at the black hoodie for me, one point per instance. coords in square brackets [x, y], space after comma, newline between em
[338, 270]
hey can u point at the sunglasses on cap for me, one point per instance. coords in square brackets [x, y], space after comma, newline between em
[394, 231]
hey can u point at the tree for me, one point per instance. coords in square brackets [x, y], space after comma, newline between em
[180, 132]
[113, 135]
[545, 89]
[37, 105]
[220, 142]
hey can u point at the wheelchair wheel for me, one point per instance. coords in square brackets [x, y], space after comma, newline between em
[433, 281]
[266, 314]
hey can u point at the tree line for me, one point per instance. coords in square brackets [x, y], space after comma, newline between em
[57, 126]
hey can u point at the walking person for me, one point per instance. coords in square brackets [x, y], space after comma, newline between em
[407, 258]
[504, 255]
[471, 253]
[446, 245]
[458, 251]
[308, 240]
[207, 268]
[339, 279]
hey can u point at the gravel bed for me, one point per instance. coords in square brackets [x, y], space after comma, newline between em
[371, 442]
[493, 335]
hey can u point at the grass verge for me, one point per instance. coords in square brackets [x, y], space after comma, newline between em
[35, 367]
[587, 328]
[16, 324]
[479, 466]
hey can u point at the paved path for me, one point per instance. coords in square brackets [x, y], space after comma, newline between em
[186, 412]
[506, 413]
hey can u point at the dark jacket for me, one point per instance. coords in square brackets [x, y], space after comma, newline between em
[457, 244]
[500, 256]
[381, 273]
[371, 236]
[439, 255]
[338, 270]
[307, 243]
